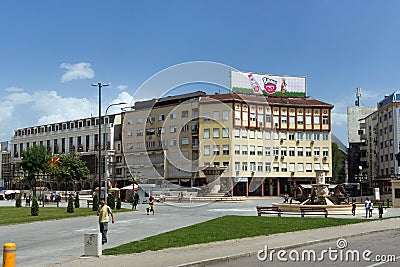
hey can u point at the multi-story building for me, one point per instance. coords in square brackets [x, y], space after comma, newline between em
[80, 135]
[268, 145]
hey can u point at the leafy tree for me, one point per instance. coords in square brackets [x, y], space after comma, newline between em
[111, 201]
[35, 161]
[338, 171]
[70, 208]
[70, 167]
[35, 207]
[118, 207]
[95, 202]
[18, 201]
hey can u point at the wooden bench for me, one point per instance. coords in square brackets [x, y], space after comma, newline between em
[89, 203]
[268, 210]
[313, 211]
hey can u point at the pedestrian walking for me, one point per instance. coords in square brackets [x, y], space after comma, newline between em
[353, 208]
[367, 208]
[150, 208]
[103, 212]
[135, 200]
[190, 197]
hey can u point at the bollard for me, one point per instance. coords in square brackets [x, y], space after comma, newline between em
[388, 203]
[9, 253]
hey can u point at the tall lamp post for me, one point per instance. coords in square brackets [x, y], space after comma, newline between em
[105, 146]
[100, 85]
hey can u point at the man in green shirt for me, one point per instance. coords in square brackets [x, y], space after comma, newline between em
[103, 213]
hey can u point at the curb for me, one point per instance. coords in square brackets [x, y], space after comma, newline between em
[207, 262]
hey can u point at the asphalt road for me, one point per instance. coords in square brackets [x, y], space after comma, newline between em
[383, 246]
[50, 242]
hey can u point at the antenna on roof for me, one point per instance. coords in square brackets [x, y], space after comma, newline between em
[358, 96]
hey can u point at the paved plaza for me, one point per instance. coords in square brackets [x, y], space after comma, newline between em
[60, 242]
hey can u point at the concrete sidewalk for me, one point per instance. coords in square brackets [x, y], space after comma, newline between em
[200, 255]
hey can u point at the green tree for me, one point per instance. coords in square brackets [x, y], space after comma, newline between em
[70, 167]
[35, 161]
[118, 207]
[111, 201]
[338, 171]
[35, 207]
[70, 208]
[95, 206]
[18, 201]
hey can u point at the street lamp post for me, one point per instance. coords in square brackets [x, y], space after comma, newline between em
[106, 150]
[99, 85]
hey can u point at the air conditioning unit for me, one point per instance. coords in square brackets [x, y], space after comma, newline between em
[292, 173]
[325, 157]
[282, 157]
[297, 141]
[312, 142]
[276, 156]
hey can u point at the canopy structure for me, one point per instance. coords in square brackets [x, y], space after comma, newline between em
[8, 192]
[130, 187]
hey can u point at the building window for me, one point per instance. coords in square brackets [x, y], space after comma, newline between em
[185, 113]
[225, 132]
[300, 167]
[252, 134]
[237, 115]
[236, 132]
[325, 152]
[259, 134]
[284, 167]
[291, 152]
[172, 129]
[325, 136]
[216, 149]
[267, 135]
[267, 151]
[216, 132]
[161, 117]
[172, 116]
[206, 150]
[291, 136]
[244, 150]
[259, 150]
[300, 119]
[284, 119]
[244, 133]
[316, 119]
[237, 150]
[185, 128]
[276, 151]
[206, 133]
[206, 116]
[225, 149]
[325, 120]
[237, 166]
[283, 151]
[252, 150]
[139, 121]
[276, 167]
[268, 166]
[291, 167]
[308, 136]
[129, 134]
[260, 166]
[300, 136]
[225, 115]
[308, 120]
[252, 116]
[267, 118]
[316, 152]
[308, 151]
[317, 166]
[244, 166]
[252, 166]
[316, 136]
[299, 151]
[185, 141]
[308, 167]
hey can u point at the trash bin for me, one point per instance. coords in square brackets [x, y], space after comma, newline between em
[93, 246]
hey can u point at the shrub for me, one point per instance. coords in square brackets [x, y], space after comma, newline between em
[76, 202]
[95, 202]
[35, 207]
[70, 208]
[118, 203]
[18, 201]
[111, 201]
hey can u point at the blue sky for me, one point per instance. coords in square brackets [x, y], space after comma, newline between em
[51, 51]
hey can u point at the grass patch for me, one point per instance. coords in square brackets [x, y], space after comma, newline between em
[226, 228]
[13, 215]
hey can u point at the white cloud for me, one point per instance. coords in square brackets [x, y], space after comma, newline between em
[14, 89]
[122, 87]
[18, 98]
[77, 71]
[339, 119]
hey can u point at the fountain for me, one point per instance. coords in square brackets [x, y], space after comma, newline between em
[320, 196]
